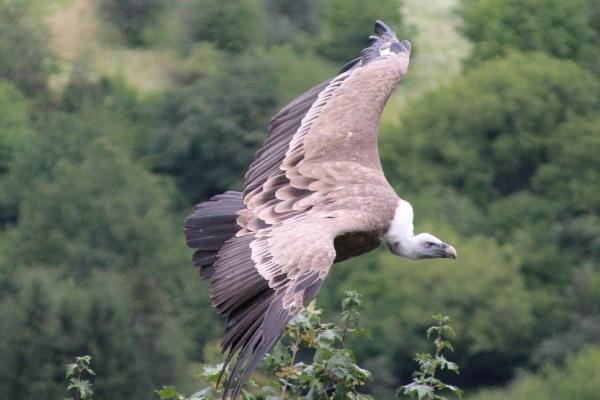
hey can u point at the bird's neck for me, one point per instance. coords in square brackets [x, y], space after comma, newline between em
[400, 235]
[401, 226]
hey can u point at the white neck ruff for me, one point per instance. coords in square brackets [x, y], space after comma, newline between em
[402, 223]
[400, 234]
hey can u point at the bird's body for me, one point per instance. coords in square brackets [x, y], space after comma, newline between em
[314, 195]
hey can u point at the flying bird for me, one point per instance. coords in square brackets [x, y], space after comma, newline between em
[314, 195]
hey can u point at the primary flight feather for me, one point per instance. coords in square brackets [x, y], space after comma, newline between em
[314, 195]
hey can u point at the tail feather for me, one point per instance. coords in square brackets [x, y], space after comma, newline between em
[210, 225]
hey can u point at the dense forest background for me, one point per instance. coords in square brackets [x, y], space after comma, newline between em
[116, 116]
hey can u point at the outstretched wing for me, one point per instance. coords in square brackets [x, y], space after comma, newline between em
[335, 121]
[262, 280]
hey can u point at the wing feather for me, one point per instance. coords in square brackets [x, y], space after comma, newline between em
[281, 131]
[261, 281]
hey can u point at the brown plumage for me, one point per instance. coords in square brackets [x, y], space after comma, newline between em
[314, 195]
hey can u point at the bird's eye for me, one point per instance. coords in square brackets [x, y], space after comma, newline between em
[428, 245]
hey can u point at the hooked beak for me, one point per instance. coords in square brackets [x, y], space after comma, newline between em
[447, 251]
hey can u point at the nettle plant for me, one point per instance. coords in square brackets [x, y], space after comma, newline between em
[425, 386]
[332, 373]
[76, 373]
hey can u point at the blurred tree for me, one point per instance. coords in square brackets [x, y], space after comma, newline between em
[50, 319]
[26, 355]
[293, 21]
[205, 135]
[86, 110]
[99, 96]
[571, 174]
[347, 24]
[584, 332]
[487, 134]
[25, 57]
[97, 211]
[15, 129]
[131, 17]
[564, 29]
[301, 13]
[295, 72]
[578, 379]
[234, 25]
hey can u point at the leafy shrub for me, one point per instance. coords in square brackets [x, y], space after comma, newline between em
[564, 29]
[347, 24]
[234, 26]
[124, 322]
[293, 21]
[131, 17]
[331, 374]
[15, 129]
[76, 373]
[425, 385]
[578, 379]
[206, 134]
[101, 211]
[487, 134]
[25, 56]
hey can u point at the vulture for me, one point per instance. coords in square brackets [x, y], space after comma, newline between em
[314, 195]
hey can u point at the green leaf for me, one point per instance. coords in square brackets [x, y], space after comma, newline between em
[246, 395]
[85, 360]
[70, 370]
[83, 387]
[328, 337]
[212, 372]
[167, 393]
[422, 391]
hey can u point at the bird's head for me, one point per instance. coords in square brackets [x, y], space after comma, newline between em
[421, 246]
[402, 242]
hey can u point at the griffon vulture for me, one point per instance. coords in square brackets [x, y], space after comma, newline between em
[314, 195]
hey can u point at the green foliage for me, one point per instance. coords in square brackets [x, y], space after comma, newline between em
[487, 135]
[292, 21]
[15, 129]
[131, 17]
[25, 57]
[98, 211]
[14, 124]
[333, 373]
[234, 26]
[425, 385]
[564, 29]
[75, 374]
[347, 24]
[206, 134]
[584, 332]
[578, 379]
[123, 322]
[577, 193]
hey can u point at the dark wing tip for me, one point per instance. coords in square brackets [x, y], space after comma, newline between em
[381, 29]
[384, 37]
